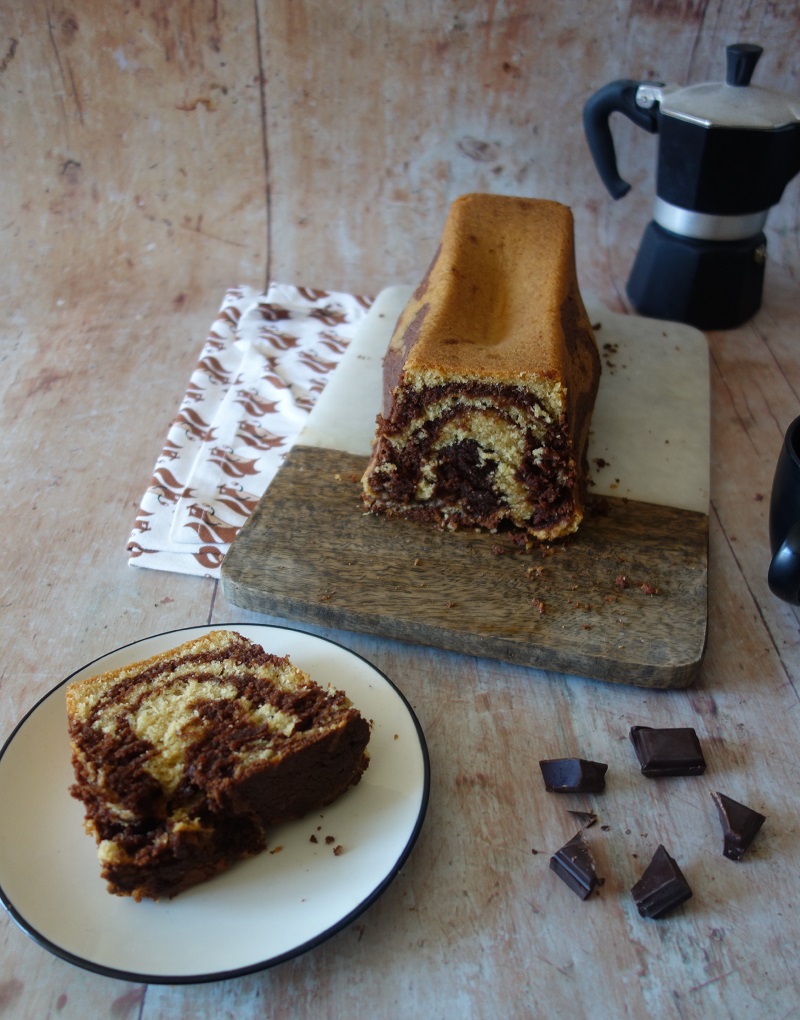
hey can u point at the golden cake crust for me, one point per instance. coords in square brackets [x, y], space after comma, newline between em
[494, 294]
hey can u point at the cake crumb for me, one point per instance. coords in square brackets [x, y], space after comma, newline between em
[338, 850]
[313, 839]
[648, 589]
[276, 850]
[540, 607]
[330, 839]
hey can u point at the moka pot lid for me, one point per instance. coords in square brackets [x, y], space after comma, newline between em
[734, 103]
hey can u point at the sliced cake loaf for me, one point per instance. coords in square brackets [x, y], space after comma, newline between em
[490, 378]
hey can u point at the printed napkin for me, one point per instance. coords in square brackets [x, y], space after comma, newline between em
[266, 360]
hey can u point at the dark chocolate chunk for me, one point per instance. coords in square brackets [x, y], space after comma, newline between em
[740, 824]
[668, 752]
[575, 866]
[573, 775]
[661, 888]
[586, 818]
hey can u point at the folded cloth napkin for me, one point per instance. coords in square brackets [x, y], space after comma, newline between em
[266, 360]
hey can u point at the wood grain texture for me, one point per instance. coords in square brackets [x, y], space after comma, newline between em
[623, 600]
[406, 106]
[155, 154]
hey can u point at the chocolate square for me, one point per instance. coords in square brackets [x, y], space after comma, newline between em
[668, 752]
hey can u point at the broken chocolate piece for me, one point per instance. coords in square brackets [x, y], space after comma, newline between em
[661, 888]
[586, 818]
[575, 866]
[668, 752]
[573, 775]
[740, 824]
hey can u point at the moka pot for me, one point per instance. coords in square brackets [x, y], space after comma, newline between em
[726, 152]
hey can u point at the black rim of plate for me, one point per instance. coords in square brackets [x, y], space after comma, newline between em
[224, 975]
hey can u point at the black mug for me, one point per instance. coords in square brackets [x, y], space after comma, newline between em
[783, 576]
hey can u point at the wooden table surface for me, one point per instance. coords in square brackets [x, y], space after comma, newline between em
[155, 155]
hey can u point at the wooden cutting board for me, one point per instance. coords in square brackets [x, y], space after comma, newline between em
[623, 600]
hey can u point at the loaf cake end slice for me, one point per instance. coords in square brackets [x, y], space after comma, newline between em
[490, 378]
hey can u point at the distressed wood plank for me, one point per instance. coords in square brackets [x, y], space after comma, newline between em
[405, 106]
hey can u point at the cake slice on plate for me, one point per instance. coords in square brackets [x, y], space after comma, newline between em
[184, 761]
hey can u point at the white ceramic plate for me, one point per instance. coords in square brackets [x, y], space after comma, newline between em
[261, 912]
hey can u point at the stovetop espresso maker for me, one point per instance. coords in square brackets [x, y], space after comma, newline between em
[726, 152]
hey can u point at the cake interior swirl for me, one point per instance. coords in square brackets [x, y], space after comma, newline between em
[490, 378]
[185, 760]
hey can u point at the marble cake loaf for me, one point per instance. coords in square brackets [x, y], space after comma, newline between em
[490, 378]
[184, 760]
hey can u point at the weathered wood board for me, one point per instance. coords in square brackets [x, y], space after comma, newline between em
[624, 600]
[557, 608]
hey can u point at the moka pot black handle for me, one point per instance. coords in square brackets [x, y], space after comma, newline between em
[616, 97]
